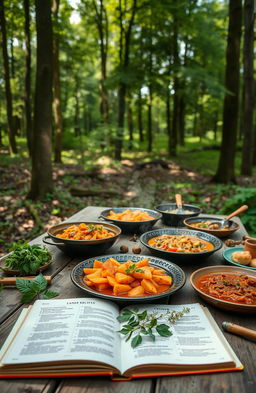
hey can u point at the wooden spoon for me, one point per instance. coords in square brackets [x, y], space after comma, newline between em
[179, 204]
[226, 223]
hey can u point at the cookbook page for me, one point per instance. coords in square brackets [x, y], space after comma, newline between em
[68, 329]
[193, 341]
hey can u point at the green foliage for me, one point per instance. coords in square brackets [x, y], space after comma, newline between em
[27, 258]
[33, 288]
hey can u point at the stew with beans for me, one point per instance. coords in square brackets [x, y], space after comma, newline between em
[236, 288]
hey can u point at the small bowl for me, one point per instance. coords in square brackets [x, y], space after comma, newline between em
[12, 272]
[81, 247]
[178, 277]
[188, 222]
[132, 226]
[181, 256]
[223, 304]
[175, 219]
[227, 255]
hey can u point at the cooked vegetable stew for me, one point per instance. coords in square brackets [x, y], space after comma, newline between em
[85, 232]
[209, 225]
[236, 288]
[129, 279]
[180, 243]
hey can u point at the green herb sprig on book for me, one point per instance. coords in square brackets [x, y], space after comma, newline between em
[137, 324]
[27, 258]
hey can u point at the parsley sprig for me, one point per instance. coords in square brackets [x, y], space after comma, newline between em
[132, 269]
[136, 324]
[33, 288]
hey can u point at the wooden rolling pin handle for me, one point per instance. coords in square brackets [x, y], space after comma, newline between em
[239, 330]
[12, 280]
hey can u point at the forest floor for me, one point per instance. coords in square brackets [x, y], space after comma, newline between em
[130, 183]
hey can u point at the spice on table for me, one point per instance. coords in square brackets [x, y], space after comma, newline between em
[136, 250]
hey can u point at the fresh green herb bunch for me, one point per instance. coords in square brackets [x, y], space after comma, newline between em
[31, 289]
[145, 323]
[27, 258]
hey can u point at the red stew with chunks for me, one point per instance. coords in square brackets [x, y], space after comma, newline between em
[236, 288]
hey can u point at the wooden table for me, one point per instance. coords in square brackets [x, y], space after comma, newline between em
[235, 382]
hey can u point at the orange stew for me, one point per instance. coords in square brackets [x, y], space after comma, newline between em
[85, 232]
[236, 288]
[180, 243]
[129, 215]
[129, 279]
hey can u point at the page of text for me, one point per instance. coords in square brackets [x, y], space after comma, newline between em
[68, 329]
[193, 341]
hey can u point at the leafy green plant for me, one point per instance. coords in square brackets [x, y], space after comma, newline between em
[27, 258]
[33, 288]
[137, 324]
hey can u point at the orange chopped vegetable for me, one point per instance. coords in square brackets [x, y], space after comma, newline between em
[129, 215]
[126, 279]
[85, 232]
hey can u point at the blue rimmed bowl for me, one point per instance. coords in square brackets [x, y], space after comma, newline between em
[181, 256]
[132, 226]
[171, 269]
[227, 255]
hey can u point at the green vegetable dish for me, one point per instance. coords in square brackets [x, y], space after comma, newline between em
[27, 258]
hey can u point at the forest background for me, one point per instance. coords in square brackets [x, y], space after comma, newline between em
[124, 103]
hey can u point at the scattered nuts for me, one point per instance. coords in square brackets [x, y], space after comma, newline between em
[124, 249]
[134, 238]
[136, 250]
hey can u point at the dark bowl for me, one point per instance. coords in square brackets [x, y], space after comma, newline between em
[181, 256]
[175, 219]
[132, 226]
[177, 274]
[81, 247]
[188, 222]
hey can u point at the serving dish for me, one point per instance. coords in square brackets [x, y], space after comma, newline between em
[181, 256]
[223, 304]
[81, 247]
[132, 226]
[227, 255]
[188, 222]
[175, 219]
[177, 274]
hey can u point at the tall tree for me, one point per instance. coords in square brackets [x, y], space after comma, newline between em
[41, 181]
[8, 93]
[27, 96]
[226, 166]
[248, 101]
[125, 35]
[58, 123]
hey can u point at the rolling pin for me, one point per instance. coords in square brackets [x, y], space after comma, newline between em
[8, 281]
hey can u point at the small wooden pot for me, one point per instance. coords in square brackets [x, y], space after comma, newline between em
[250, 245]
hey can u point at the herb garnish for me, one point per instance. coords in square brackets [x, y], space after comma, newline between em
[32, 288]
[145, 323]
[27, 258]
[132, 269]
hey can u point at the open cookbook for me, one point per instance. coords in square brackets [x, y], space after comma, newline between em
[79, 337]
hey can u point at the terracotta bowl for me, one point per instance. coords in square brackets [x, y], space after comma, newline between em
[188, 222]
[11, 272]
[225, 305]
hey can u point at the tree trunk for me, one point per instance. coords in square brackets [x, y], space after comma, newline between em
[168, 112]
[58, 129]
[150, 136]
[140, 123]
[27, 96]
[42, 182]
[8, 93]
[130, 122]
[182, 121]
[246, 165]
[120, 122]
[226, 166]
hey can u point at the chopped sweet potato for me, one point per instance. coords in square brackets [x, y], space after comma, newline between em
[111, 281]
[144, 273]
[148, 286]
[97, 264]
[123, 278]
[143, 262]
[163, 280]
[159, 272]
[135, 283]
[137, 291]
[99, 280]
[90, 270]
[121, 288]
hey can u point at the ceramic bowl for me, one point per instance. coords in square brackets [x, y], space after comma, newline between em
[223, 304]
[188, 222]
[132, 226]
[81, 247]
[177, 274]
[13, 272]
[181, 256]
[227, 255]
[174, 219]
